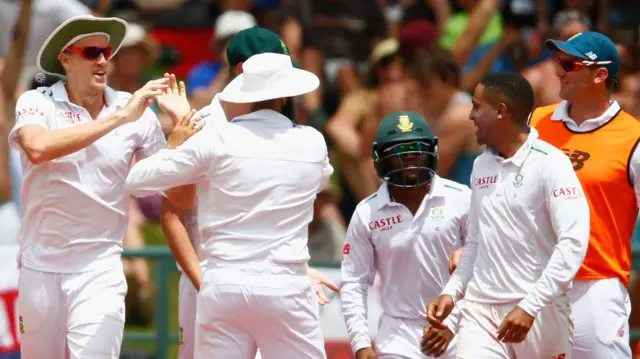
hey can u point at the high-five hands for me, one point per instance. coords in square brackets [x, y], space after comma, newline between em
[143, 98]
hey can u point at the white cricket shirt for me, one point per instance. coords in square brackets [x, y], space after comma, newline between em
[410, 253]
[257, 178]
[74, 209]
[528, 228]
[211, 115]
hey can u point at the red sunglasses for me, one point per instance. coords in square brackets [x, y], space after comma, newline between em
[570, 65]
[91, 52]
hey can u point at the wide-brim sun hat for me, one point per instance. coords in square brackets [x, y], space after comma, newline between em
[74, 29]
[269, 76]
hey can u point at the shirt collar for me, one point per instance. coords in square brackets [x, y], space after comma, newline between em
[383, 197]
[561, 113]
[522, 153]
[60, 94]
[269, 117]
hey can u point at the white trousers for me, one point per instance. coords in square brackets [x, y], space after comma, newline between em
[550, 336]
[187, 300]
[241, 309]
[77, 316]
[399, 338]
[601, 310]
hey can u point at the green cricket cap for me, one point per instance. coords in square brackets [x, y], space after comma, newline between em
[254, 41]
[401, 127]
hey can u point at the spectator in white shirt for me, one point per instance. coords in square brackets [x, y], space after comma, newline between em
[76, 140]
[406, 231]
[528, 235]
[257, 179]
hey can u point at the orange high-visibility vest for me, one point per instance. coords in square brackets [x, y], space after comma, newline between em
[601, 159]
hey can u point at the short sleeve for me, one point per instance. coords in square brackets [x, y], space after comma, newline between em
[34, 107]
[153, 139]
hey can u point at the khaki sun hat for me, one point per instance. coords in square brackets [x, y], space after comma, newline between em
[74, 29]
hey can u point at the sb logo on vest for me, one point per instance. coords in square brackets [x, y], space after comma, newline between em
[578, 158]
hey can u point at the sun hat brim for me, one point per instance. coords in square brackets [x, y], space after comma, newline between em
[295, 83]
[77, 26]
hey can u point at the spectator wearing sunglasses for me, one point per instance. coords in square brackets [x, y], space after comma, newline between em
[601, 140]
[76, 141]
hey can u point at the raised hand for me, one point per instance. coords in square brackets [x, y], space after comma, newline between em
[173, 101]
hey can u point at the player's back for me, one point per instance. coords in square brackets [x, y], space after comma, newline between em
[259, 201]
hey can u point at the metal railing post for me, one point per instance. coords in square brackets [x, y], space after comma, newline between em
[163, 270]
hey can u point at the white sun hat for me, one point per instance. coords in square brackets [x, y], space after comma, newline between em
[269, 76]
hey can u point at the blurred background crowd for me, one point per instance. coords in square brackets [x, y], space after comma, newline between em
[374, 57]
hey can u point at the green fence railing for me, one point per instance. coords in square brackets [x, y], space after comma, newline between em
[165, 265]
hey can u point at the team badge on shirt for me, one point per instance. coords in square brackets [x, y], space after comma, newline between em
[517, 181]
[436, 213]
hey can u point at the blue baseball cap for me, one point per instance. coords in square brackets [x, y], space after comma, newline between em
[590, 46]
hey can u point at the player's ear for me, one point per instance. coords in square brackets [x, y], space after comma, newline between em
[239, 68]
[502, 109]
[600, 75]
[64, 60]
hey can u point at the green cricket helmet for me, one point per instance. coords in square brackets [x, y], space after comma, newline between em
[405, 152]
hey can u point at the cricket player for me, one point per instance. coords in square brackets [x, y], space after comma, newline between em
[257, 179]
[406, 231]
[77, 140]
[528, 235]
[601, 141]
[181, 226]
